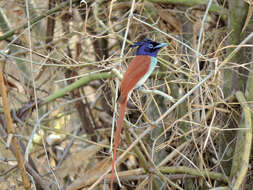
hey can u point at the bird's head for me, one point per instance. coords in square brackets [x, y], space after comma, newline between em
[148, 47]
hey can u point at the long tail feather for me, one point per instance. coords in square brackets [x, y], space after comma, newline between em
[122, 112]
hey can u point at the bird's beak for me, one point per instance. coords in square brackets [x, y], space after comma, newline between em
[161, 45]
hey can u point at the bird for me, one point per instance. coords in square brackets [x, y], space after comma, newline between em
[138, 71]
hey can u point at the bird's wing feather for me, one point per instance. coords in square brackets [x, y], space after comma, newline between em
[137, 68]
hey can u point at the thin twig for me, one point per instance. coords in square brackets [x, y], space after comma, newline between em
[203, 118]
[117, 83]
[122, 155]
[205, 79]
[11, 130]
[34, 20]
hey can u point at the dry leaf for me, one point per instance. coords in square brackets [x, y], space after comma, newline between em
[171, 21]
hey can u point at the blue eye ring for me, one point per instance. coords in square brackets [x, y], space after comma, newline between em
[150, 46]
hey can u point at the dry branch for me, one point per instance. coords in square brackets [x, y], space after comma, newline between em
[12, 134]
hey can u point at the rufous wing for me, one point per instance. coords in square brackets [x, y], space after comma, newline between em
[137, 68]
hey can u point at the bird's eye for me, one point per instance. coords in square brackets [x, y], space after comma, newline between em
[150, 46]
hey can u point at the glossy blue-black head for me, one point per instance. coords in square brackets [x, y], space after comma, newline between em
[148, 47]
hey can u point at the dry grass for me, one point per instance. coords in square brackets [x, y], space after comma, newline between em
[62, 77]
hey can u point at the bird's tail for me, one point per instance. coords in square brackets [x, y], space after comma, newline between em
[122, 112]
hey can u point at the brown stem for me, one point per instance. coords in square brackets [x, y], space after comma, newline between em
[11, 131]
